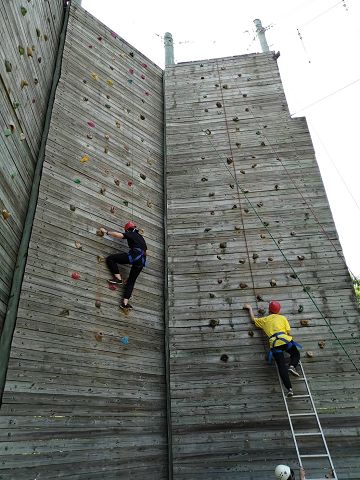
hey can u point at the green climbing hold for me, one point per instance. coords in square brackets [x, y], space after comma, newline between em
[77, 180]
[21, 50]
[8, 66]
[16, 105]
[46, 38]
[7, 132]
[126, 203]
[23, 11]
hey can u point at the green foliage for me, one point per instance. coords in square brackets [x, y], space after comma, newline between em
[356, 285]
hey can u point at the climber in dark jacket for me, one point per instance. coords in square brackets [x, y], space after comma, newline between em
[136, 257]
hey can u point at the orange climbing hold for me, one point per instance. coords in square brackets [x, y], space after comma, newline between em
[84, 159]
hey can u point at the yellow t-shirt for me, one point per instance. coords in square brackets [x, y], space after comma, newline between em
[274, 323]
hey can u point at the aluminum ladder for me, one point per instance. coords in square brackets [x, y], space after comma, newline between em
[301, 432]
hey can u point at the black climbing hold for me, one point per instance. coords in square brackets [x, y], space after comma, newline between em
[262, 144]
[232, 185]
[208, 132]
[214, 323]
[218, 104]
[204, 179]
[202, 78]
[131, 54]
[217, 85]
[234, 207]
[301, 257]
[277, 187]
[102, 191]
[259, 298]
[142, 117]
[246, 210]
[244, 191]
[300, 308]
[237, 227]
[255, 256]
[212, 212]
[218, 257]
[273, 282]
[229, 160]
[224, 357]
[212, 295]
[254, 165]
[244, 95]
[36, 81]
[260, 204]
[238, 144]
[112, 209]
[126, 203]
[293, 275]
[236, 119]
[211, 194]
[23, 11]
[143, 176]
[243, 285]
[46, 38]
[242, 261]
[270, 259]
[250, 333]
[107, 105]
[262, 235]
[207, 229]
[306, 289]
[219, 281]
[38, 33]
[242, 171]
[72, 208]
[223, 245]
[222, 68]
[293, 234]
[206, 110]
[239, 74]
[258, 133]
[246, 109]
[266, 224]
[225, 86]
[117, 181]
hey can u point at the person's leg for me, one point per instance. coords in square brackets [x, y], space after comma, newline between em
[112, 262]
[134, 273]
[283, 371]
[294, 356]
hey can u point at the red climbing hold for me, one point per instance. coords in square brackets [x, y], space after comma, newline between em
[147, 94]
[131, 70]
[113, 34]
[75, 275]
[142, 76]
[91, 124]
[144, 65]
[130, 183]
[112, 286]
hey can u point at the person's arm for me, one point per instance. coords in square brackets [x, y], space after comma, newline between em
[248, 307]
[111, 234]
[302, 473]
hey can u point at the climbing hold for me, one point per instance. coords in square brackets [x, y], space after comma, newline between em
[266, 224]
[237, 227]
[244, 190]
[260, 204]
[259, 298]
[212, 212]
[218, 257]
[24, 83]
[321, 343]
[75, 275]
[97, 304]
[262, 235]
[304, 323]
[144, 65]
[112, 286]
[142, 117]
[212, 295]
[117, 181]
[77, 180]
[8, 66]
[243, 285]
[131, 54]
[246, 109]
[242, 261]
[301, 257]
[38, 33]
[206, 110]
[300, 308]
[224, 357]
[293, 275]
[306, 289]
[7, 132]
[131, 70]
[229, 160]
[129, 80]
[99, 38]
[207, 230]
[126, 203]
[110, 82]
[234, 207]
[238, 144]
[72, 208]
[29, 52]
[91, 124]
[262, 144]
[242, 171]
[147, 93]
[218, 104]
[309, 354]
[246, 210]
[254, 165]
[22, 136]
[219, 281]
[84, 158]
[250, 333]
[89, 136]
[223, 245]
[261, 311]
[143, 176]
[292, 234]
[107, 105]
[36, 81]
[130, 183]
[142, 76]
[244, 95]
[46, 38]
[21, 50]
[16, 105]
[214, 323]
[258, 132]
[222, 68]
[23, 11]
[255, 256]
[118, 124]
[5, 214]
[273, 282]
[78, 245]
[149, 204]
[103, 190]
[124, 340]
[65, 312]
[270, 259]
[100, 259]
[94, 76]
[232, 185]
[112, 209]
[208, 132]
[225, 86]
[98, 336]
[113, 34]
[277, 187]
[85, 99]
[204, 179]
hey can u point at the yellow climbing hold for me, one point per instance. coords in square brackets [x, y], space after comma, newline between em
[84, 159]
[110, 82]
[5, 214]
[29, 51]
[95, 76]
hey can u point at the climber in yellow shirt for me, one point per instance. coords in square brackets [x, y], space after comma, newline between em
[277, 329]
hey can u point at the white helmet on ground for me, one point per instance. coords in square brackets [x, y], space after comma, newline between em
[282, 472]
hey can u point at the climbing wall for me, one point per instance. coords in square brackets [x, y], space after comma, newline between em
[85, 390]
[29, 38]
[248, 221]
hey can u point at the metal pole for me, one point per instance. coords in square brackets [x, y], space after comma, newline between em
[169, 49]
[260, 30]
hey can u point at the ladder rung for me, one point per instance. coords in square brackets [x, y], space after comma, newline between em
[301, 414]
[322, 478]
[300, 396]
[306, 434]
[319, 455]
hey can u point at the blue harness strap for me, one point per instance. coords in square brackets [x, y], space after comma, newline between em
[133, 257]
[288, 343]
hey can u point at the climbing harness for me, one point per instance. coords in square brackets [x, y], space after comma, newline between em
[288, 343]
[134, 257]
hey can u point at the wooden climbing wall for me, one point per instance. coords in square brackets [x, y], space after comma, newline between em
[29, 37]
[248, 221]
[85, 390]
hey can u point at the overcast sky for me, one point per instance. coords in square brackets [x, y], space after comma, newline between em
[324, 61]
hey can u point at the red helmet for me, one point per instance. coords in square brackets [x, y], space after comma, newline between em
[129, 225]
[274, 307]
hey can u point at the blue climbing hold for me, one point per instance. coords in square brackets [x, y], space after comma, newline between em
[124, 340]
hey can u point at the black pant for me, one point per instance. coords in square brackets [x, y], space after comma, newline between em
[280, 360]
[112, 262]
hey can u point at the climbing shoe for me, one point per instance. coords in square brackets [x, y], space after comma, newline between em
[115, 281]
[126, 307]
[290, 392]
[293, 371]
